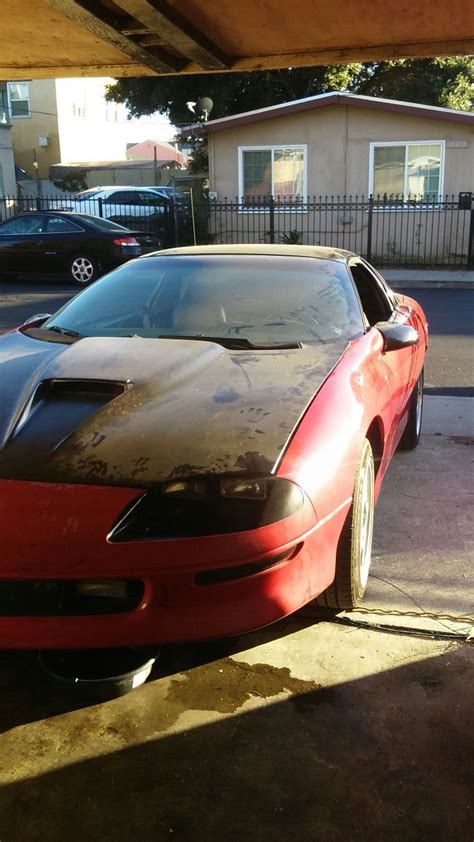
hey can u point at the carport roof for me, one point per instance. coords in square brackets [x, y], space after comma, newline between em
[322, 100]
[52, 38]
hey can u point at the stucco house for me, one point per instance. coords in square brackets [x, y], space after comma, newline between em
[342, 144]
[308, 167]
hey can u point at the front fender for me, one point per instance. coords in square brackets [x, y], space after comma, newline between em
[324, 452]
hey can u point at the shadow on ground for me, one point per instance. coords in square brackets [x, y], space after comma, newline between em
[385, 757]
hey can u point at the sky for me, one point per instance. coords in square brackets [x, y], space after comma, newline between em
[152, 127]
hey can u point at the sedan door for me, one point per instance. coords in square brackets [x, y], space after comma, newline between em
[21, 244]
[61, 241]
[396, 367]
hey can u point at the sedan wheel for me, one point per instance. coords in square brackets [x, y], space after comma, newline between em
[354, 550]
[83, 270]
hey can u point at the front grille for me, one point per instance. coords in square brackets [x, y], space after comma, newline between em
[65, 598]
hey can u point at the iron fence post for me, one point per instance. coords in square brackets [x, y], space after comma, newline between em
[101, 212]
[369, 227]
[470, 242]
[271, 207]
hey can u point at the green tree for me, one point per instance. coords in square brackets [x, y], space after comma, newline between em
[447, 82]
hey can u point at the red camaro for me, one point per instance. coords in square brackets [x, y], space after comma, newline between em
[193, 446]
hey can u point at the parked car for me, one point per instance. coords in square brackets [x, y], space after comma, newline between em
[119, 203]
[193, 446]
[79, 245]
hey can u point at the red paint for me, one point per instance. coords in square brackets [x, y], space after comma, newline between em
[60, 531]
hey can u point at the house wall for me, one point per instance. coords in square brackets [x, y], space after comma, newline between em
[338, 141]
[42, 122]
[90, 129]
[79, 124]
[7, 180]
[7, 163]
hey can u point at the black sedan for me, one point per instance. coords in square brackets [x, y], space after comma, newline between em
[78, 244]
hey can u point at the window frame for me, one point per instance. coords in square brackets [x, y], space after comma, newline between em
[17, 218]
[73, 230]
[271, 148]
[10, 109]
[407, 143]
[382, 291]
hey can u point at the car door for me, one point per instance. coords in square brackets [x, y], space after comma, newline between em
[396, 367]
[61, 240]
[121, 206]
[21, 243]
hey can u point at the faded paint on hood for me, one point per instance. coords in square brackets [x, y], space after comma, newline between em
[194, 407]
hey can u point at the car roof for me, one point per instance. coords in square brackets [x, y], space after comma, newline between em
[114, 187]
[322, 252]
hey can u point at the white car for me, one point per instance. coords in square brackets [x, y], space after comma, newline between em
[119, 203]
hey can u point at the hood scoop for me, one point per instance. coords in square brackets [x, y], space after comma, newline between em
[57, 407]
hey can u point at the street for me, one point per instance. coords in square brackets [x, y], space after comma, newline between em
[308, 729]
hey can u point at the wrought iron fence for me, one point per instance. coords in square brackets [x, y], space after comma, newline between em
[415, 231]
[157, 218]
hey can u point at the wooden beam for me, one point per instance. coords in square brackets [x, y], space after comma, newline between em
[103, 24]
[65, 71]
[179, 33]
[377, 52]
[151, 41]
[135, 31]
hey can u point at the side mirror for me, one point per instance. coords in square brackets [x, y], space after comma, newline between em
[37, 321]
[396, 336]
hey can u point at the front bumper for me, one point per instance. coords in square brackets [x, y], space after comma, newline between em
[58, 532]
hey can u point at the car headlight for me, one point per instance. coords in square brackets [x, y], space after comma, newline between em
[210, 506]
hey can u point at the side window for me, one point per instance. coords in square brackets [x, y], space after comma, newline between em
[24, 225]
[149, 198]
[60, 225]
[375, 303]
[122, 197]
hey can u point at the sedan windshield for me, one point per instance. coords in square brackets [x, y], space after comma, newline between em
[266, 299]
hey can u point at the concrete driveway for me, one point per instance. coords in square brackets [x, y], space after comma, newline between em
[308, 730]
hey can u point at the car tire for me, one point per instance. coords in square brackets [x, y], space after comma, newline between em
[83, 270]
[412, 432]
[355, 543]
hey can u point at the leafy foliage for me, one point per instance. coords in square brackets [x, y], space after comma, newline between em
[448, 82]
[72, 182]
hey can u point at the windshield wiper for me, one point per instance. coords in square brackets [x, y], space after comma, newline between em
[64, 331]
[237, 343]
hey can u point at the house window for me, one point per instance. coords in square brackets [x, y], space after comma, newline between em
[19, 97]
[278, 171]
[407, 169]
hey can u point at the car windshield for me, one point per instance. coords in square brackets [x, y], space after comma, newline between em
[87, 195]
[265, 299]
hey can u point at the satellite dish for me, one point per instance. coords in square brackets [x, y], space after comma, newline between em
[203, 108]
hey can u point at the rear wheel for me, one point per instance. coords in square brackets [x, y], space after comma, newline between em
[83, 270]
[412, 432]
[354, 550]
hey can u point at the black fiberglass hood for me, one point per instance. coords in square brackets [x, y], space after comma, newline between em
[134, 412]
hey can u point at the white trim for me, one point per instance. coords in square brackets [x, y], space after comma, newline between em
[271, 147]
[406, 144]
